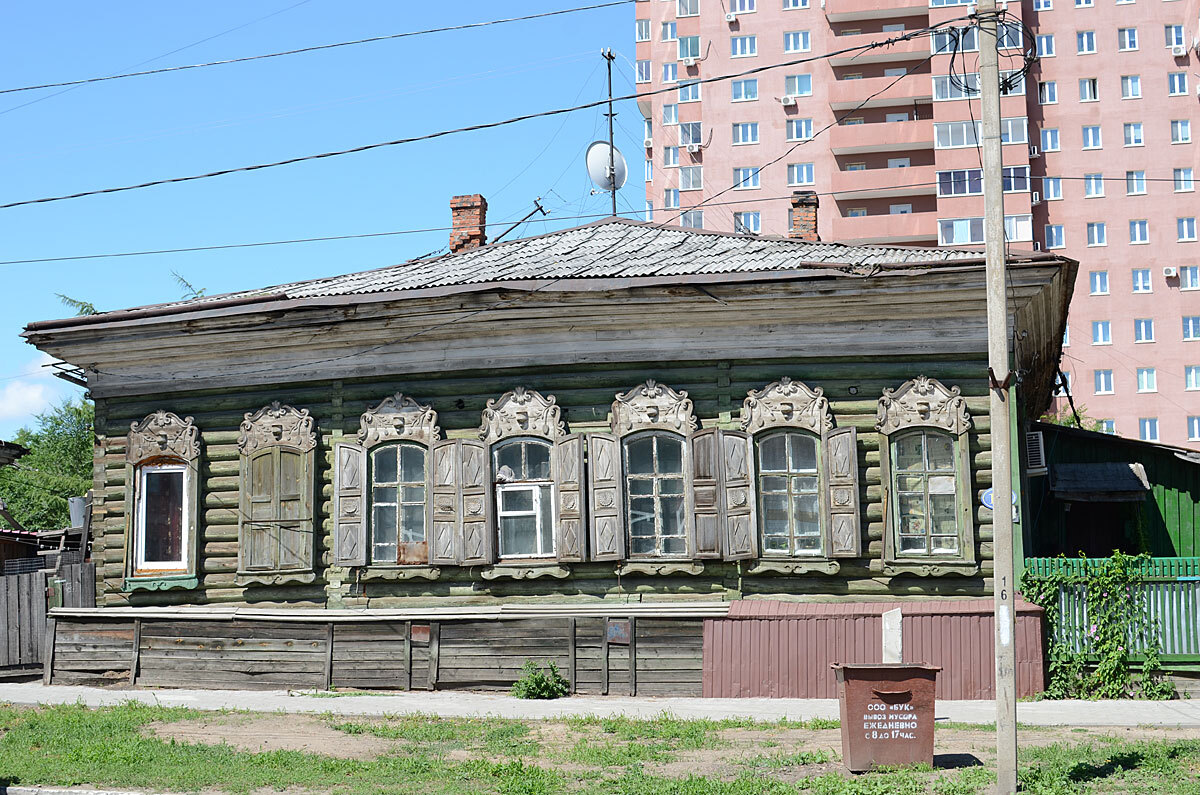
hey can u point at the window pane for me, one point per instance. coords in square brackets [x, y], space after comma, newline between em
[670, 455]
[773, 484]
[941, 451]
[164, 517]
[640, 456]
[910, 452]
[384, 494]
[546, 520]
[638, 487]
[413, 523]
[641, 516]
[512, 500]
[775, 517]
[518, 535]
[384, 462]
[803, 452]
[537, 459]
[672, 516]
[772, 453]
[383, 529]
[508, 462]
[670, 486]
[412, 463]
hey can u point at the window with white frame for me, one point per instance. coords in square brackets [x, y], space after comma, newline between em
[692, 219]
[955, 134]
[799, 129]
[687, 8]
[670, 114]
[1191, 377]
[1015, 179]
[1141, 280]
[1018, 228]
[743, 46]
[1127, 39]
[1054, 236]
[1189, 275]
[648, 170]
[1143, 329]
[1135, 183]
[926, 488]
[797, 41]
[669, 32]
[1085, 42]
[655, 498]
[644, 71]
[745, 178]
[1185, 230]
[744, 90]
[1193, 426]
[1107, 426]
[798, 85]
[960, 182]
[1066, 342]
[1139, 232]
[1091, 137]
[745, 132]
[1047, 92]
[1083, 3]
[1191, 328]
[689, 91]
[690, 132]
[643, 30]
[1173, 35]
[524, 498]
[649, 213]
[794, 5]
[1014, 130]
[747, 222]
[691, 178]
[1045, 45]
[1097, 234]
[671, 199]
[1182, 178]
[1052, 188]
[1103, 381]
[1099, 282]
[647, 128]
[1089, 89]
[800, 174]
[162, 521]
[688, 47]
[1148, 429]
[964, 86]
[1177, 84]
[1093, 185]
[741, 6]
[1131, 87]
[397, 503]
[670, 72]
[1102, 332]
[670, 156]
[1050, 141]
[1133, 134]
[1181, 131]
[960, 231]
[1062, 384]
[1043, 5]
[956, 39]
[1010, 36]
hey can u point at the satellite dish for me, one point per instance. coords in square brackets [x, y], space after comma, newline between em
[598, 158]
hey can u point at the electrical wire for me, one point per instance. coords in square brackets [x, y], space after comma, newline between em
[297, 51]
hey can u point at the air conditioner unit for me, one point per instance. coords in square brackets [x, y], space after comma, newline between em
[1178, 50]
[1034, 152]
[1036, 198]
[1035, 453]
[693, 148]
[1170, 272]
[731, 17]
[788, 102]
[648, 143]
[689, 62]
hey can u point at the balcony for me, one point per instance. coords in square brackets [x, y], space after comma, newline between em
[911, 50]
[893, 136]
[851, 10]
[910, 228]
[851, 94]
[879, 183]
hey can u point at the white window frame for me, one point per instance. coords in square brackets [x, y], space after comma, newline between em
[1052, 189]
[1185, 231]
[1093, 186]
[141, 565]
[1143, 330]
[1191, 377]
[1177, 84]
[735, 85]
[536, 488]
[1142, 281]
[689, 91]
[1184, 179]
[1127, 39]
[801, 38]
[800, 174]
[1097, 233]
[694, 177]
[643, 71]
[1085, 42]
[740, 219]
[1098, 282]
[1098, 142]
[805, 125]
[1102, 382]
[1189, 277]
[1135, 183]
[1148, 429]
[794, 85]
[1051, 140]
[1134, 134]
[1055, 236]
[749, 180]
[1089, 89]
[1191, 328]
[1131, 86]
[743, 46]
[745, 133]
[1102, 332]
[1193, 425]
[1045, 45]
[1181, 131]
[1048, 92]
[1139, 233]
[1172, 35]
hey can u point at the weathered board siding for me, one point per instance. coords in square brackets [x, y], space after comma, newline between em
[22, 618]
[585, 394]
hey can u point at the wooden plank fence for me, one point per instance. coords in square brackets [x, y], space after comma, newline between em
[23, 609]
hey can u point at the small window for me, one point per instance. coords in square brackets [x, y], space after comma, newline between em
[1143, 329]
[960, 231]
[1093, 185]
[1108, 426]
[745, 132]
[744, 90]
[1089, 89]
[1131, 87]
[670, 114]
[1097, 234]
[524, 498]
[692, 219]
[1177, 84]
[648, 175]
[688, 47]
[670, 72]
[1054, 236]
[1099, 282]
[643, 71]
[1193, 424]
[1189, 275]
[160, 543]
[1050, 142]
[1045, 45]
[1141, 280]
[1101, 332]
[1191, 377]
[1127, 39]
[743, 46]
[654, 490]
[643, 30]
[1091, 137]
[926, 488]
[1043, 5]
[691, 133]
[1148, 429]
[747, 222]
[798, 85]
[796, 41]
[1047, 92]
[1173, 35]
[789, 503]
[1139, 232]
[671, 199]
[799, 129]
[1133, 134]
[1181, 131]
[1191, 328]
[1135, 183]
[1183, 180]
[793, 5]
[800, 174]
[669, 31]
[670, 156]
[691, 178]
[1147, 379]
[1085, 42]
[398, 504]
[1185, 232]
[687, 8]
[689, 91]
[745, 178]
[1103, 381]
[1052, 188]
[742, 6]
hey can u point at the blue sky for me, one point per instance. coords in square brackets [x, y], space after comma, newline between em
[139, 129]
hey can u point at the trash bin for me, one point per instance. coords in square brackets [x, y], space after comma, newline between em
[887, 714]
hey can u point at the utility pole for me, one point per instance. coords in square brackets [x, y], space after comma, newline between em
[1000, 378]
[612, 156]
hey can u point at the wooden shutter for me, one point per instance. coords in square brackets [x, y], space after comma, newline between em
[478, 527]
[570, 535]
[707, 514]
[606, 528]
[258, 511]
[349, 504]
[841, 485]
[741, 535]
[295, 527]
[445, 509]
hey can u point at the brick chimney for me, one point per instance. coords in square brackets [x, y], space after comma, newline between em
[468, 215]
[804, 216]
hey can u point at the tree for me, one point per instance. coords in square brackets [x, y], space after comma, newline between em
[59, 465]
[80, 307]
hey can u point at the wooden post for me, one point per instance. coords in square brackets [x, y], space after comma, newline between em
[136, 654]
[408, 655]
[48, 652]
[329, 656]
[571, 666]
[632, 656]
[434, 637]
[604, 658]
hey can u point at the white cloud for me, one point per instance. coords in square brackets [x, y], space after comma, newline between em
[23, 398]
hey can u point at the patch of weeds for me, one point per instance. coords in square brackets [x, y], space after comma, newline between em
[797, 759]
[516, 777]
[535, 684]
[969, 781]
[638, 782]
[815, 724]
[1112, 765]
[610, 754]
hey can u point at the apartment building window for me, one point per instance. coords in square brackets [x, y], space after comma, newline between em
[796, 41]
[689, 91]
[1066, 337]
[1083, 3]
[689, 47]
[960, 182]
[1183, 180]
[1108, 426]
[647, 128]
[1173, 35]
[1127, 39]
[1015, 179]
[1135, 183]
[1177, 84]
[692, 219]
[743, 46]
[1045, 45]
[800, 174]
[1043, 5]
[1131, 87]
[643, 71]
[794, 5]
[669, 32]
[1093, 185]
[687, 8]
[1143, 329]
[744, 90]
[649, 169]
[670, 156]
[959, 39]
[1047, 92]
[690, 133]
[1133, 134]
[1091, 137]
[1062, 384]
[1191, 377]
[1148, 429]
[1191, 328]
[1018, 228]
[1097, 235]
[671, 199]
[1085, 42]
[1014, 131]
[1181, 131]
[1052, 188]
[649, 213]
[1050, 139]
[670, 72]
[1103, 381]
[745, 132]
[1054, 236]
[1141, 280]
[955, 134]
[643, 30]
[798, 85]
[670, 114]
[1193, 424]
[799, 129]
[747, 222]
[1139, 232]
[1185, 232]
[1089, 89]
[1099, 282]
[1101, 332]
[1010, 36]
[948, 87]
[741, 6]
[745, 178]
[856, 212]
[856, 167]
[1189, 275]
[691, 178]
[960, 231]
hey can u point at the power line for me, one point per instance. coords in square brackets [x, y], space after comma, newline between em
[315, 48]
[471, 128]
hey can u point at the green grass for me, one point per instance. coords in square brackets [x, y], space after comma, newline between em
[1111, 765]
[797, 759]
[496, 736]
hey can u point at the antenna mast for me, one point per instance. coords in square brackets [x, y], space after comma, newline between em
[608, 56]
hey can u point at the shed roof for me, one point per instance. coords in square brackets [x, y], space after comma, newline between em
[1109, 481]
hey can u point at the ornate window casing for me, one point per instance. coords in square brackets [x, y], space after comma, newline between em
[805, 477]
[276, 541]
[381, 486]
[162, 473]
[925, 465]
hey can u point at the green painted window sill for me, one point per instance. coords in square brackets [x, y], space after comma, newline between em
[175, 581]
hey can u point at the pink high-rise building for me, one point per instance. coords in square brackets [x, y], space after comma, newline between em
[1099, 154]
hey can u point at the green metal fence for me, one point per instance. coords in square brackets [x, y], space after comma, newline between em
[1153, 569]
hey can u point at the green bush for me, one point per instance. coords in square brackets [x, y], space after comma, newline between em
[535, 684]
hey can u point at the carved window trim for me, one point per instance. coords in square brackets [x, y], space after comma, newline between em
[924, 403]
[522, 412]
[786, 404]
[653, 406]
[162, 441]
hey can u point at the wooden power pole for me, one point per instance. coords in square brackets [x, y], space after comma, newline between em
[1000, 377]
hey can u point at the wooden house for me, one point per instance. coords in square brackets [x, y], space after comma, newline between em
[584, 446]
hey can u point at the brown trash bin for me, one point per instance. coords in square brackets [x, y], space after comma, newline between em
[887, 714]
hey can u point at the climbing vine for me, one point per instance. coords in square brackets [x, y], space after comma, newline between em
[1090, 652]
